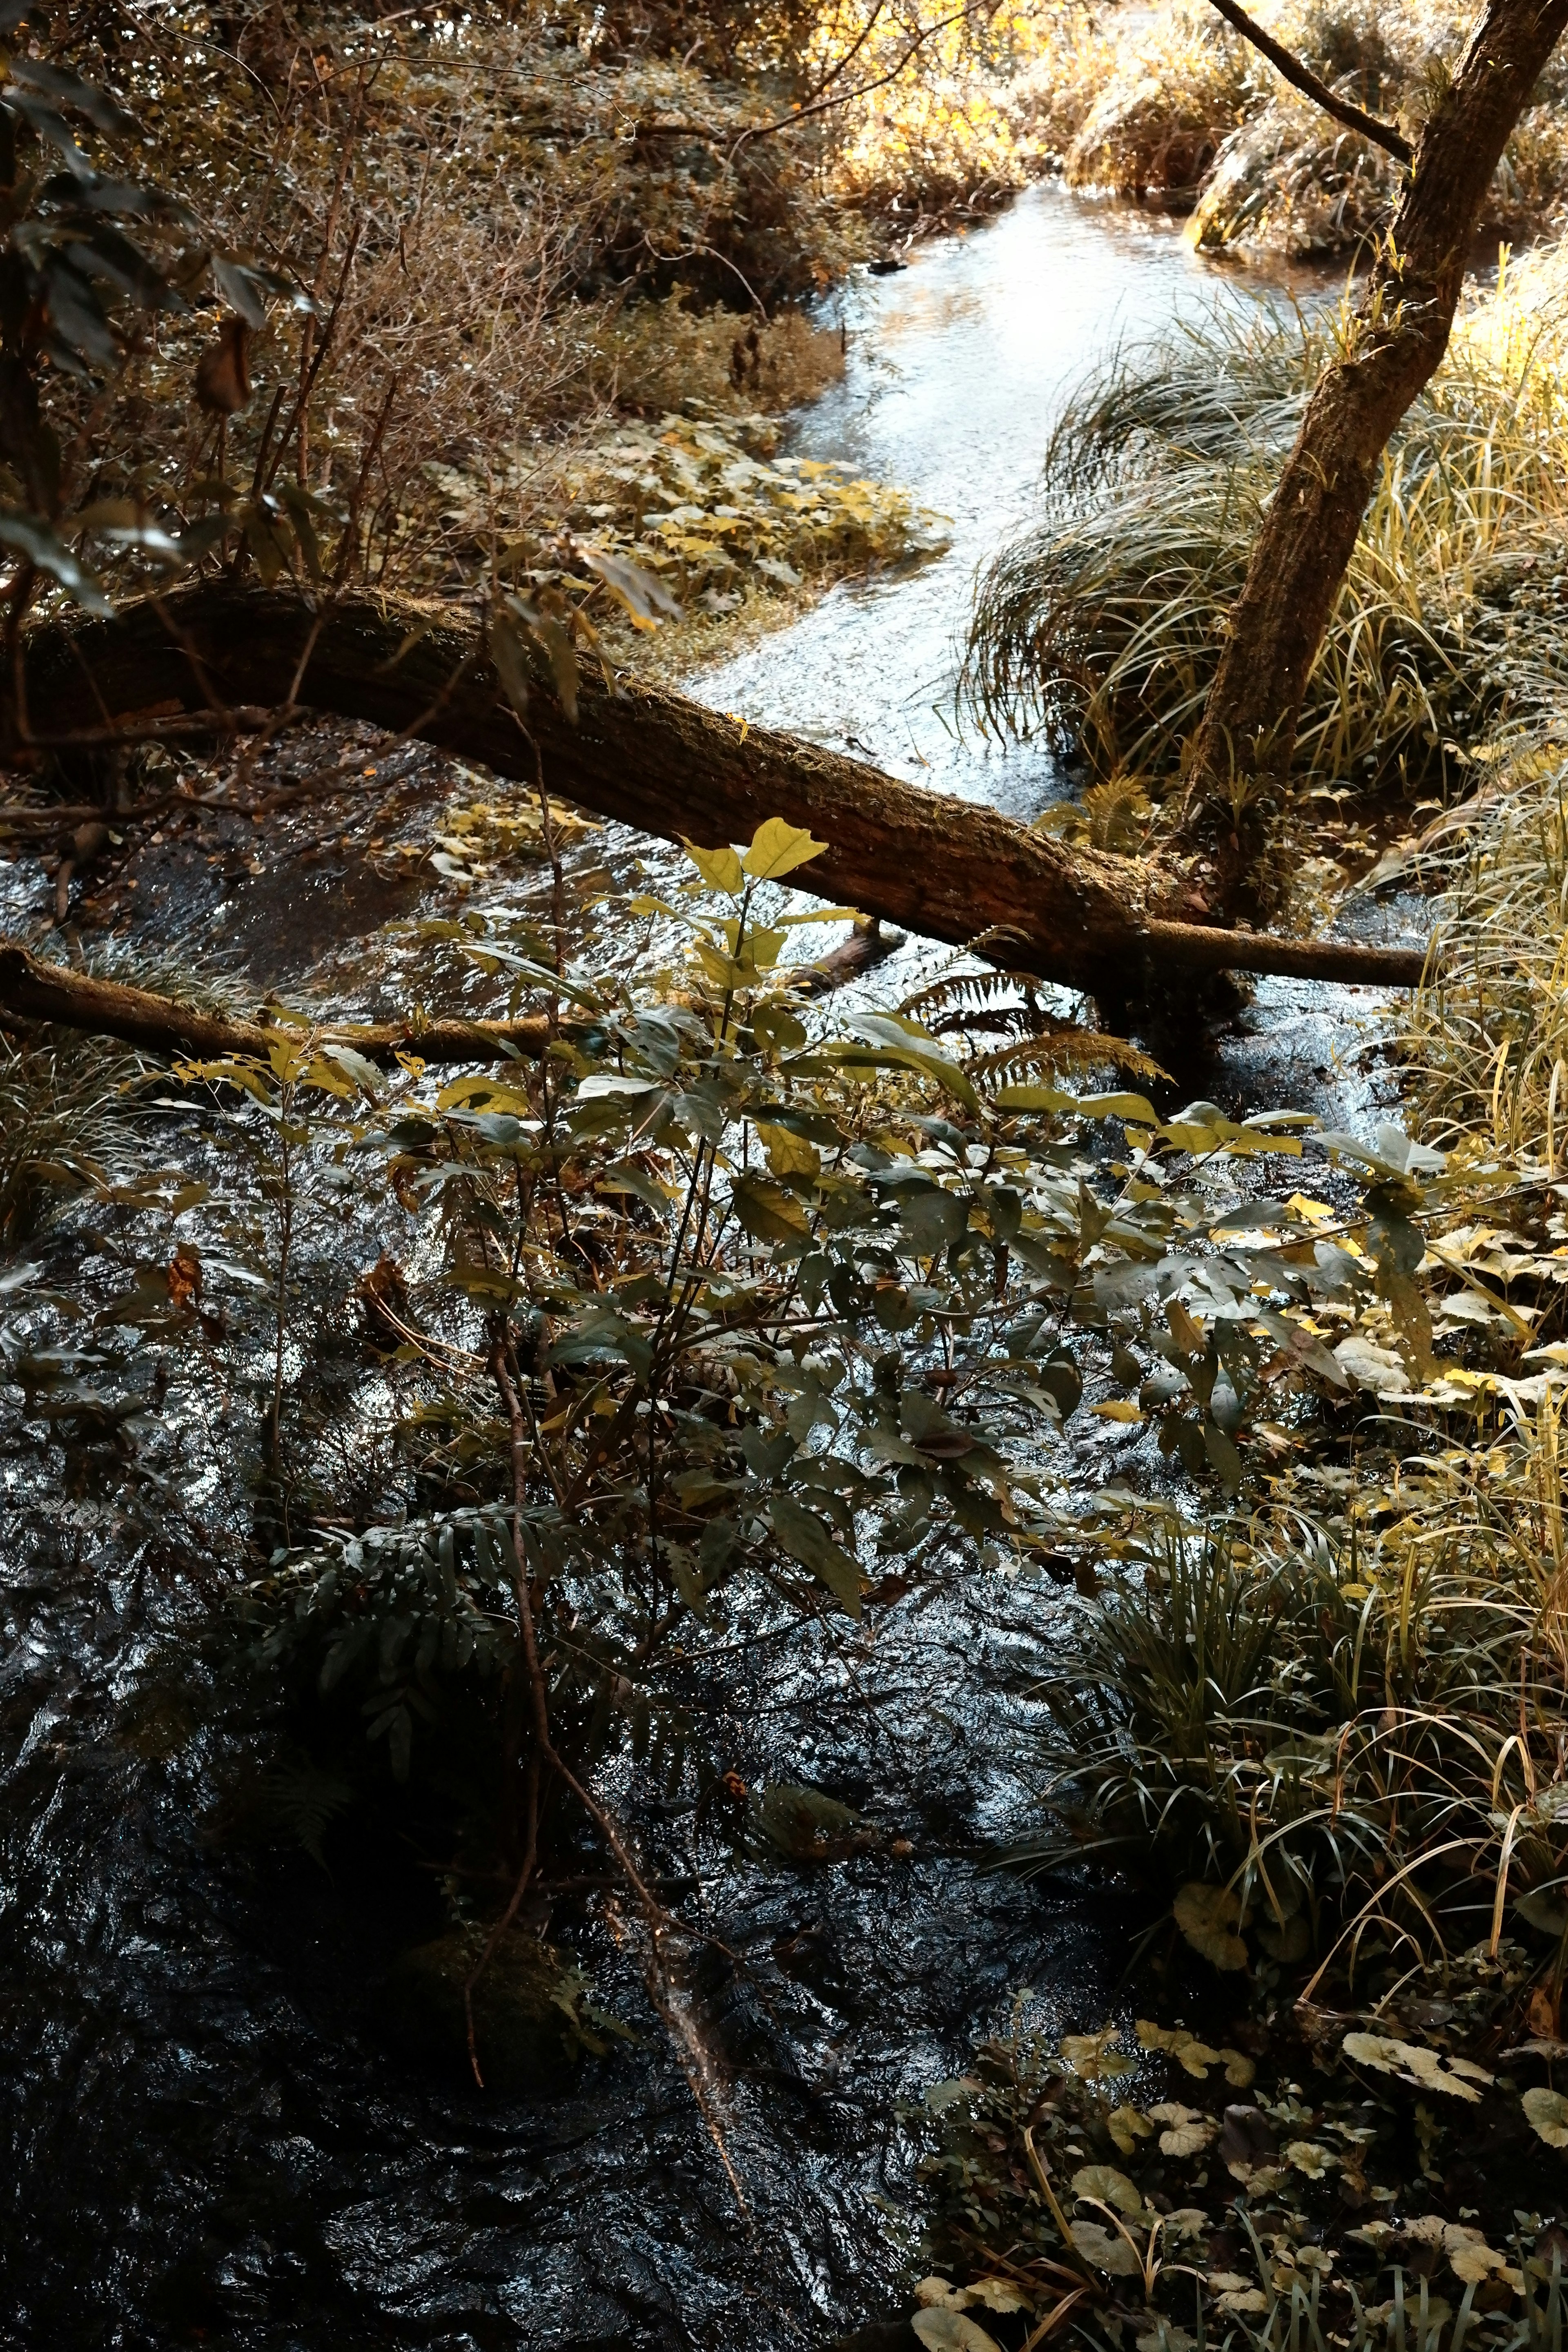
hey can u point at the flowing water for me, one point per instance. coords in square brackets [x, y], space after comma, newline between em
[209, 2140]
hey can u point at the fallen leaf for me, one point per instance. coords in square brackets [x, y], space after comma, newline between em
[1307, 2157]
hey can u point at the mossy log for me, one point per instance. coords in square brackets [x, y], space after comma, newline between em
[945, 869]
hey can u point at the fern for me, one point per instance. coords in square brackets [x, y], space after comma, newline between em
[1113, 816]
[303, 1801]
[964, 988]
[1063, 1045]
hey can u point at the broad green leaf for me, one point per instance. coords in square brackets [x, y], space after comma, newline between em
[768, 1211]
[644, 597]
[777, 848]
[719, 868]
[789, 1155]
[804, 1538]
[944, 2330]
[1428, 2070]
[1123, 1107]
[30, 536]
[1108, 2186]
[1547, 2114]
[1208, 1918]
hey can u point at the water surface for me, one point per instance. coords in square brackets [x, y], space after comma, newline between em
[957, 371]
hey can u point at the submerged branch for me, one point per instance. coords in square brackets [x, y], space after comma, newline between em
[32, 990]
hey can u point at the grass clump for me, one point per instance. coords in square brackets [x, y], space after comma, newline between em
[1102, 628]
[1347, 1724]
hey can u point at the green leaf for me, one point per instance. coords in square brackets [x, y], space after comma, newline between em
[719, 868]
[777, 848]
[1547, 2114]
[1136, 1108]
[1108, 2186]
[806, 1540]
[768, 1211]
[644, 597]
[894, 1046]
[1208, 1918]
[31, 536]
[506, 651]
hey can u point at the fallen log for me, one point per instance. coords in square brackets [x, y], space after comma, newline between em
[945, 869]
[31, 990]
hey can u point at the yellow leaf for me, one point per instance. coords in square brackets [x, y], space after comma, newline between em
[1117, 1408]
[777, 848]
[789, 1155]
[719, 868]
[1426, 2069]
[1094, 2057]
[1127, 2128]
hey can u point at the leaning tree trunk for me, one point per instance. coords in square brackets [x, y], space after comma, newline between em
[1244, 743]
[937, 865]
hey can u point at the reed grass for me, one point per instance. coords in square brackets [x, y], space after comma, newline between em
[1100, 627]
[1353, 1724]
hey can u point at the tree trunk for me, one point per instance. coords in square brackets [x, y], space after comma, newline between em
[1242, 750]
[945, 869]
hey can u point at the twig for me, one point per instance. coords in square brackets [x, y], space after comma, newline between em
[1302, 77]
[655, 1916]
[507, 1916]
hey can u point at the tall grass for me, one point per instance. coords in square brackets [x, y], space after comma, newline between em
[1358, 1732]
[1102, 627]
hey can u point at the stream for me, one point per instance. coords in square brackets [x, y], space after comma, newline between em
[209, 2138]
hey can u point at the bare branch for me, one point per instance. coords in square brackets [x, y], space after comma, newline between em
[1371, 126]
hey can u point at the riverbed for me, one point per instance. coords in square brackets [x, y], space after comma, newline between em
[210, 2139]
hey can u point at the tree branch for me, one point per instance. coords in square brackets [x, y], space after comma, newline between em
[1354, 118]
[31, 990]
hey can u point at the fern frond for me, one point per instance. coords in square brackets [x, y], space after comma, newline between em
[973, 988]
[303, 1801]
[1065, 1046]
